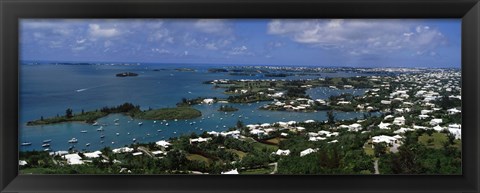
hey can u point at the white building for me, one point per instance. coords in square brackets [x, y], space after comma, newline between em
[434, 122]
[399, 120]
[307, 151]
[282, 152]
[355, 127]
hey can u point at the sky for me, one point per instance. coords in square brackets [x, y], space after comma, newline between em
[305, 42]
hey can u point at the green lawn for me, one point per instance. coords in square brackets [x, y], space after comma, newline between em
[438, 140]
[258, 171]
[198, 157]
[259, 146]
[275, 140]
[240, 154]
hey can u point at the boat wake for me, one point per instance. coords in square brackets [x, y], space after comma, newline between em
[85, 89]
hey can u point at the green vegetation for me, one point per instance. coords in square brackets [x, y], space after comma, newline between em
[126, 108]
[435, 140]
[88, 117]
[169, 114]
[226, 108]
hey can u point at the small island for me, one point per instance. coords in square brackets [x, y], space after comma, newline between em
[125, 74]
[185, 70]
[126, 109]
[169, 114]
[226, 108]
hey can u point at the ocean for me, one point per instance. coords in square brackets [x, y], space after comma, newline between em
[48, 89]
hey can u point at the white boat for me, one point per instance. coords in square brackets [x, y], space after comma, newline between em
[102, 136]
[100, 129]
[73, 140]
[88, 144]
[84, 131]
[117, 134]
[166, 124]
[47, 141]
[116, 120]
[46, 145]
[95, 124]
[117, 124]
[48, 149]
[26, 144]
[134, 139]
[140, 124]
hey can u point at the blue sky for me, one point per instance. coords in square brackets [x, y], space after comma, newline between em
[320, 42]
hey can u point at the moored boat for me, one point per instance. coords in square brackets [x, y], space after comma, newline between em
[73, 140]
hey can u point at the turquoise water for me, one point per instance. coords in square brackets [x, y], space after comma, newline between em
[48, 90]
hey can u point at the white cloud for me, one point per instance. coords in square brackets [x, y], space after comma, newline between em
[211, 46]
[358, 36]
[213, 26]
[240, 50]
[97, 31]
[81, 41]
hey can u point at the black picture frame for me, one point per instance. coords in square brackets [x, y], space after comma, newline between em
[13, 10]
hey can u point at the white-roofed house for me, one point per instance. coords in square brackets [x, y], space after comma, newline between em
[73, 159]
[399, 120]
[22, 163]
[234, 171]
[95, 154]
[163, 144]
[434, 122]
[122, 150]
[453, 111]
[355, 127]
[383, 125]
[307, 151]
[282, 152]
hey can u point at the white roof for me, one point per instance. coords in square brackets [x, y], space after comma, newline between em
[137, 153]
[384, 125]
[307, 151]
[163, 143]
[383, 138]
[158, 152]
[234, 171]
[122, 150]
[282, 152]
[94, 154]
[438, 128]
[22, 162]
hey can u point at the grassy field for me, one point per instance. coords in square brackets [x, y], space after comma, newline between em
[198, 157]
[169, 113]
[240, 154]
[258, 171]
[436, 140]
[275, 140]
[259, 146]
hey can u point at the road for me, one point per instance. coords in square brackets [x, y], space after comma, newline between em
[275, 169]
[375, 164]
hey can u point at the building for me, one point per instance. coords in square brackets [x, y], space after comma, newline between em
[307, 151]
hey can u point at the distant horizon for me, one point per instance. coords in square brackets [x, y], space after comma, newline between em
[233, 64]
[430, 43]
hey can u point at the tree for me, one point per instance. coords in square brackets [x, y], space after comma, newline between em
[331, 117]
[69, 113]
[239, 124]
[380, 149]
